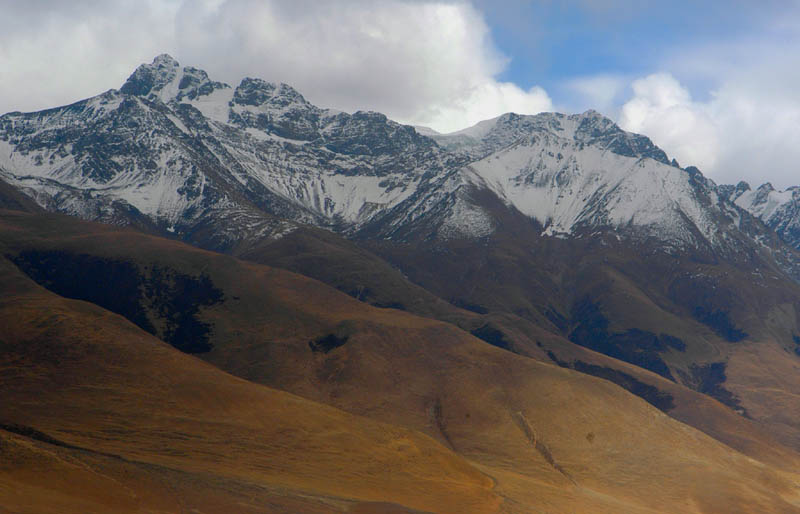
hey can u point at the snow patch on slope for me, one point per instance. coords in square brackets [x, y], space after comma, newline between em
[564, 185]
[214, 106]
[466, 221]
[763, 206]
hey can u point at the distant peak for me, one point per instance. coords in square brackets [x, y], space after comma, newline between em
[592, 116]
[591, 113]
[693, 171]
[767, 187]
[589, 127]
[253, 91]
[153, 81]
[165, 60]
[149, 77]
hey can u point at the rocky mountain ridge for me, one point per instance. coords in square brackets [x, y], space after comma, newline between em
[779, 210]
[217, 165]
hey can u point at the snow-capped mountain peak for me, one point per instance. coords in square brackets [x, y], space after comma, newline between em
[153, 77]
[165, 80]
[176, 148]
[588, 128]
[255, 92]
[179, 149]
[569, 172]
[779, 210]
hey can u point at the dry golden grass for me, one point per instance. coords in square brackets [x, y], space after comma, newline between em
[410, 412]
[90, 379]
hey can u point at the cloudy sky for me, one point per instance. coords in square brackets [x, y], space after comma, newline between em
[714, 83]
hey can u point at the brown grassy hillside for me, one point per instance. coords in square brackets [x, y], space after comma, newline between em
[513, 433]
[95, 411]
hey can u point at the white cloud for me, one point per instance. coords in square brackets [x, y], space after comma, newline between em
[663, 110]
[53, 53]
[424, 62]
[599, 92]
[747, 129]
[486, 100]
[761, 134]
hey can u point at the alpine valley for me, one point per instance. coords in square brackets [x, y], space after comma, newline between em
[223, 298]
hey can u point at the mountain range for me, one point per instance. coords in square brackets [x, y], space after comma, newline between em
[537, 313]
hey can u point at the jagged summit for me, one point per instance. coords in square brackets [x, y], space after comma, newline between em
[589, 128]
[149, 77]
[165, 60]
[254, 91]
[779, 210]
[177, 149]
[166, 80]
